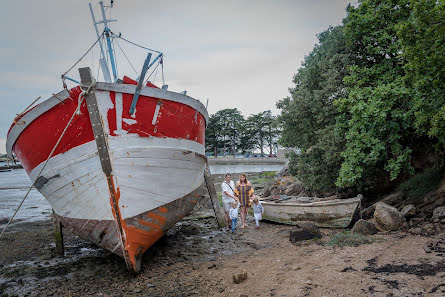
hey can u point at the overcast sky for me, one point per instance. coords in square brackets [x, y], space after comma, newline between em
[238, 54]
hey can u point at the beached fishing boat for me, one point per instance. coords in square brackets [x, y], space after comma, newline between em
[324, 212]
[120, 161]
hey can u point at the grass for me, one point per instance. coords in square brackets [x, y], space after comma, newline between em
[348, 238]
[268, 174]
[422, 183]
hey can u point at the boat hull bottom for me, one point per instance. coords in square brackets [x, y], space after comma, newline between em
[140, 231]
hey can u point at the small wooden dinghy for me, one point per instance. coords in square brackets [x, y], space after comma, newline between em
[324, 212]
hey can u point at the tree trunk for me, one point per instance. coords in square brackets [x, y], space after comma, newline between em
[261, 143]
[270, 141]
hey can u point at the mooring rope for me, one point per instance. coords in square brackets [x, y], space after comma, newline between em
[76, 112]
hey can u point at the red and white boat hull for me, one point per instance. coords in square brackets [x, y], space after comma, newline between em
[156, 155]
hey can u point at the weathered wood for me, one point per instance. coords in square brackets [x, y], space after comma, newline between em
[219, 213]
[102, 148]
[58, 236]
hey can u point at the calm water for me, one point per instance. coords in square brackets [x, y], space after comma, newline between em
[14, 185]
[239, 168]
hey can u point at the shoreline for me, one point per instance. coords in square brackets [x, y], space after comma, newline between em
[195, 258]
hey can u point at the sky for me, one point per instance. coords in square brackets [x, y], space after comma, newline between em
[235, 53]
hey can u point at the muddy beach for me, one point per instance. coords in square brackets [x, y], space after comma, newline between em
[196, 258]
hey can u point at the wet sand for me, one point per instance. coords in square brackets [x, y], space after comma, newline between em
[197, 259]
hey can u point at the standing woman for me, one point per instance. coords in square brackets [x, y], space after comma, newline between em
[244, 191]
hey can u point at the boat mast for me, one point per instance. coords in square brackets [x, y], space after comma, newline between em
[107, 31]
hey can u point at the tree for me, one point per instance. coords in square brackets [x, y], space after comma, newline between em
[224, 130]
[422, 39]
[308, 118]
[259, 128]
[213, 134]
[376, 108]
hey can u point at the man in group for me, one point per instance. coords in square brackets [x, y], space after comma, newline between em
[228, 197]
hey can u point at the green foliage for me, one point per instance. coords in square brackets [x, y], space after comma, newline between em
[228, 130]
[224, 130]
[422, 39]
[268, 174]
[377, 105]
[422, 183]
[308, 118]
[348, 238]
[368, 95]
[262, 130]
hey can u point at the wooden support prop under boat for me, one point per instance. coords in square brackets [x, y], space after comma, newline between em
[58, 236]
[219, 213]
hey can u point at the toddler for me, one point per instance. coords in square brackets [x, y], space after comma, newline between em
[258, 210]
[233, 214]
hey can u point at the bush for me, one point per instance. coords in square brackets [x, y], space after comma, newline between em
[422, 183]
[348, 238]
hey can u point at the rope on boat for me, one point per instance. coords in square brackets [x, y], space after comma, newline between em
[76, 112]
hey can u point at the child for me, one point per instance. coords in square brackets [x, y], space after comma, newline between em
[258, 210]
[233, 214]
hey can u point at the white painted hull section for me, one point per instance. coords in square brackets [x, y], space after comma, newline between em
[149, 172]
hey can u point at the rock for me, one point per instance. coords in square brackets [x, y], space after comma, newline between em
[426, 249]
[304, 231]
[439, 213]
[294, 188]
[283, 172]
[394, 199]
[364, 227]
[240, 277]
[408, 211]
[387, 217]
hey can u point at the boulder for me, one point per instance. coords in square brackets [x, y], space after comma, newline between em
[364, 227]
[439, 213]
[240, 277]
[408, 211]
[283, 172]
[294, 188]
[394, 199]
[304, 231]
[387, 217]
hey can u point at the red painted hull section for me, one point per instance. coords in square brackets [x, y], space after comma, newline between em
[175, 120]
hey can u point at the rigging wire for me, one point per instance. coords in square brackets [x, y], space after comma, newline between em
[117, 36]
[83, 56]
[126, 58]
[157, 65]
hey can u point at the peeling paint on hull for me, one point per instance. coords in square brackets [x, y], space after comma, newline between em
[157, 166]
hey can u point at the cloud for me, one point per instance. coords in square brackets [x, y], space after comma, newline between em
[239, 54]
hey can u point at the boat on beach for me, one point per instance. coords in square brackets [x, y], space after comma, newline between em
[324, 212]
[120, 161]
